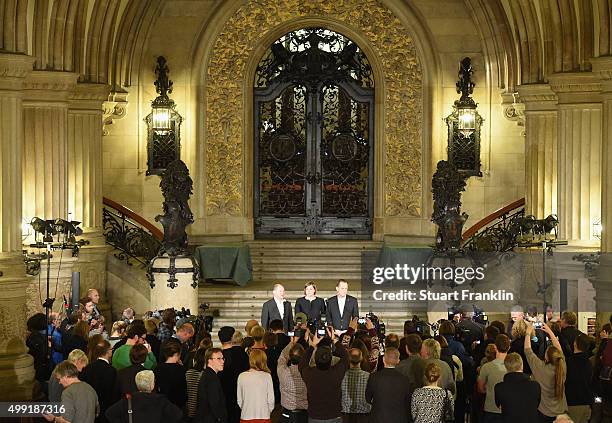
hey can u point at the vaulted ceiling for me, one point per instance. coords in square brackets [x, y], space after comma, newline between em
[525, 40]
[101, 40]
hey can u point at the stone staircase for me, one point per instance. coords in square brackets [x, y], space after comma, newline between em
[292, 263]
[299, 261]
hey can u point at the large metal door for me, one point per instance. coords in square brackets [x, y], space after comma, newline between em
[314, 114]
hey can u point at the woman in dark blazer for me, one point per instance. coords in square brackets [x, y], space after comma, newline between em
[310, 304]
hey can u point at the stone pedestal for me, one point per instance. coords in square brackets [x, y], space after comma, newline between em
[16, 369]
[579, 153]
[540, 149]
[183, 295]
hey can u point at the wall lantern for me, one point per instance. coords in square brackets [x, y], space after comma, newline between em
[597, 229]
[163, 125]
[464, 125]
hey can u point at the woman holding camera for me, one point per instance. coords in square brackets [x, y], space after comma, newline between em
[550, 374]
[310, 304]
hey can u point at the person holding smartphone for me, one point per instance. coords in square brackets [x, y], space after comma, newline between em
[550, 374]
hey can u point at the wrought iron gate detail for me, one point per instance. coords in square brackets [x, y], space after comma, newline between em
[313, 110]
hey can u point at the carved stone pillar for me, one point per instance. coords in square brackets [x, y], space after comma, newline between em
[602, 67]
[579, 153]
[16, 370]
[540, 149]
[45, 167]
[85, 180]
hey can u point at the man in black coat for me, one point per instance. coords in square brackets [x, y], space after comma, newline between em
[517, 396]
[569, 332]
[102, 377]
[211, 399]
[277, 308]
[341, 308]
[146, 406]
[389, 392]
[236, 361]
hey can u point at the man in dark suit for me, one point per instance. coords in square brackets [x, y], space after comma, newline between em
[126, 382]
[236, 362]
[102, 377]
[277, 308]
[517, 396]
[389, 392]
[211, 399]
[341, 308]
[569, 332]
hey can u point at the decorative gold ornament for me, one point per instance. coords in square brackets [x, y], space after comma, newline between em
[225, 99]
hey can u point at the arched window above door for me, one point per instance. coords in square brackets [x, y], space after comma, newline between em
[313, 129]
[314, 54]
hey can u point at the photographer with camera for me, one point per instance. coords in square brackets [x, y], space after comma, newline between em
[293, 391]
[324, 381]
[369, 337]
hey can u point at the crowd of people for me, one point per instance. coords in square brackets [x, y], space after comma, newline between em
[161, 368]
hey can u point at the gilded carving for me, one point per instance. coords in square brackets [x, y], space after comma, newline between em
[225, 99]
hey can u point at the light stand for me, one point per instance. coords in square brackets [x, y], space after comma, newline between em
[59, 227]
[547, 249]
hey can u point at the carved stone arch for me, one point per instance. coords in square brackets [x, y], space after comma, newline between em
[406, 71]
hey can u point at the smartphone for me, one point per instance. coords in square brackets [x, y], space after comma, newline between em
[361, 321]
[477, 342]
[597, 400]
[537, 325]
[291, 333]
[321, 332]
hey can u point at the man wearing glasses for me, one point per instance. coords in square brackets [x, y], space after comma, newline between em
[211, 400]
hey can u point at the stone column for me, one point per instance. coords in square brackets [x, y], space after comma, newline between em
[84, 159]
[16, 369]
[579, 153]
[540, 149]
[45, 167]
[602, 67]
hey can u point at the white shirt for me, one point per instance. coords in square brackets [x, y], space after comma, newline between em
[280, 304]
[341, 302]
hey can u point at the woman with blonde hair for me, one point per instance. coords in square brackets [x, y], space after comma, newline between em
[431, 403]
[311, 305]
[550, 374]
[255, 390]
[80, 360]
[517, 345]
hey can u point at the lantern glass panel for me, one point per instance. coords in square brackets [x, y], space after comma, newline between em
[161, 118]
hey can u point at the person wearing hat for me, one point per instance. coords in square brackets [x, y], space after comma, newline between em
[236, 362]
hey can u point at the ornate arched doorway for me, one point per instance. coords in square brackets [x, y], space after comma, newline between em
[313, 132]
